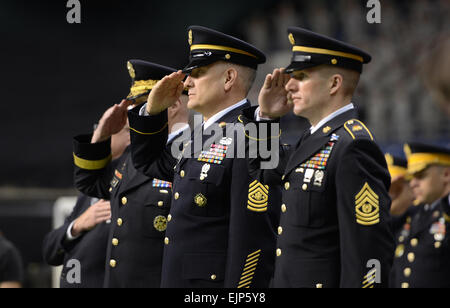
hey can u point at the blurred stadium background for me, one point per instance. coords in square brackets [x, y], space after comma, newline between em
[58, 78]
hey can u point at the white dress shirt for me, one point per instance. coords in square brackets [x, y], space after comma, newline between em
[330, 117]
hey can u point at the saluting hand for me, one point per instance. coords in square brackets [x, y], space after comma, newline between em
[165, 93]
[273, 100]
[94, 215]
[112, 121]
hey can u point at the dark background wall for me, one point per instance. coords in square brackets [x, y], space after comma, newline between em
[57, 78]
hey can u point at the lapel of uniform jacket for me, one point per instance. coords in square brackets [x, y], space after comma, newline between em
[131, 177]
[425, 219]
[312, 144]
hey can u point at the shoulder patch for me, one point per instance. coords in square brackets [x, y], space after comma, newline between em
[357, 128]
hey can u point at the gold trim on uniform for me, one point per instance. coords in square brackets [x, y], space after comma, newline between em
[367, 207]
[131, 70]
[358, 127]
[190, 37]
[419, 161]
[446, 217]
[328, 52]
[257, 139]
[291, 39]
[141, 87]
[222, 48]
[249, 269]
[369, 279]
[148, 134]
[258, 197]
[91, 164]
[326, 130]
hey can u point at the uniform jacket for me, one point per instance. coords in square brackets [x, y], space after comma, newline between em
[89, 249]
[215, 236]
[11, 264]
[139, 205]
[423, 252]
[334, 229]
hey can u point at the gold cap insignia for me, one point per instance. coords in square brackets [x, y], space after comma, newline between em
[367, 207]
[160, 223]
[258, 197]
[291, 39]
[357, 128]
[334, 61]
[200, 200]
[190, 38]
[131, 70]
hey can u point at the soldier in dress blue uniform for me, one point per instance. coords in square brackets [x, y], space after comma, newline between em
[11, 265]
[82, 237]
[402, 208]
[84, 234]
[423, 253]
[140, 204]
[221, 227]
[334, 229]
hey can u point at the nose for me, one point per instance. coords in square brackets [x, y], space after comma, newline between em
[188, 82]
[414, 182]
[291, 85]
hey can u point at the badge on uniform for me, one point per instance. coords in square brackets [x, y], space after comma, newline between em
[216, 153]
[205, 170]
[367, 206]
[161, 184]
[200, 200]
[308, 175]
[116, 179]
[226, 141]
[438, 230]
[160, 223]
[258, 197]
[318, 178]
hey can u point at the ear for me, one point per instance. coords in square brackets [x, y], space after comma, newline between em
[231, 76]
[446, 174]
[336, 83]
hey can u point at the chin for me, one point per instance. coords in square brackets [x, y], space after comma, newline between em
[298, 111]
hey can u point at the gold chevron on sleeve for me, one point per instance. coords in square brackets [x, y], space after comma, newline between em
[367, 207]
[258, 197]
[249, 269]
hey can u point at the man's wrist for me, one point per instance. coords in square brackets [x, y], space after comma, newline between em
[72, 232]
[259, 115]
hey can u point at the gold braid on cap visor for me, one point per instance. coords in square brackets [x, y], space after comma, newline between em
[141, 87]
[419, 161]
[328, 52]
[222, 48]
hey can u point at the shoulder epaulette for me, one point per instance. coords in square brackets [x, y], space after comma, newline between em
[357, 128]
